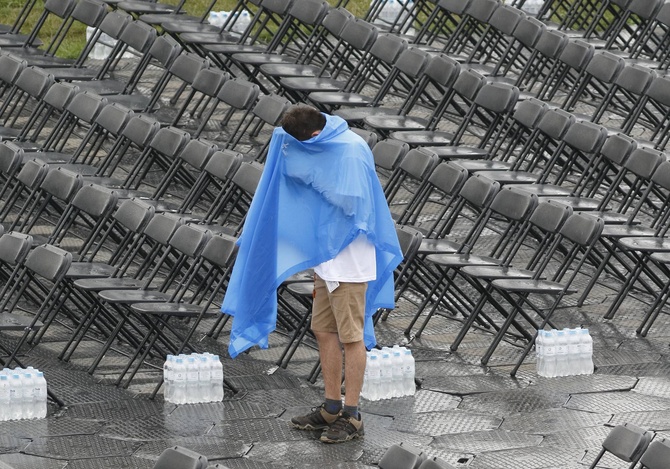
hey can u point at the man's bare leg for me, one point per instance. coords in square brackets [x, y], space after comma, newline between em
[330, 352]
[354, 371]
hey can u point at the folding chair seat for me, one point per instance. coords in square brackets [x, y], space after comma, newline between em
[627, 442]
[341, 65]
[141, 8]
[656, 455]
[578, 235]
[507, 215]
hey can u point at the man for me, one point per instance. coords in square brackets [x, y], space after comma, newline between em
[319, 204]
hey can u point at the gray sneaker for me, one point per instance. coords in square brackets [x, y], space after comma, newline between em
[344, 429]
[317, 419]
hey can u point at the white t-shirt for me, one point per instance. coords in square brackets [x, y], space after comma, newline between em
[356, 263]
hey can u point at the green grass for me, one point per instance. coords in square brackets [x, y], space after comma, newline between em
[9, 9]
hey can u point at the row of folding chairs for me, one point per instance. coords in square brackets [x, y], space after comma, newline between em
[557, 158]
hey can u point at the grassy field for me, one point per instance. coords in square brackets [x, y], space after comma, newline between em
[9, 10]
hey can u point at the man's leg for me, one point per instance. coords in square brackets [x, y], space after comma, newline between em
[330, 352]
[354, 371]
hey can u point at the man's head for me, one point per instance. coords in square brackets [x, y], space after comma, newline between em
[303, 122]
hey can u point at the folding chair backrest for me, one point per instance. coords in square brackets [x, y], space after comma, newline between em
[585, 136]
[35, 81]
[139, 36]
[89, 12]
[512, 204]
[223, 164]
[388, 153]
[141, 129]
[187, 65]
[197, 152]
[62, 184]
[169, 141]
[247, 177]
[49, 262]
[10, 68]
[657, 454]
[161, 227]
[506, 19]
[114, 23]
[86, 106]
[134, 214]
[582, 229]
[220, 250]
[209, 81]
[618, 147]
[190, 240]
[270, 108]
[182, 458]
[479, 190]
[555, 123]
[528, 31]
[549, 216]
[96, 201]
[114, 117]
[14, 247]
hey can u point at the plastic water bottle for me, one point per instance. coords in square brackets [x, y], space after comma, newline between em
[216, 391]
[242, 22]
[549, 348]
[539, 353]
[204, 379]
[585, 352]
[15, 397]
[397, 385]
[386, 376]
[192, 387]
[408, 373]
[27, 393]
[365, 390]
[41, 395]
[562, 365]
[374, 377]
[179, 383]
[167, 378]
[532, 7]
[574, 358]
[4, 398]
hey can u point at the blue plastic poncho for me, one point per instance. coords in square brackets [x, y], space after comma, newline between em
[313, 199]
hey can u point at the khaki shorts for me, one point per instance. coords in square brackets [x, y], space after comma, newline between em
[341, 311]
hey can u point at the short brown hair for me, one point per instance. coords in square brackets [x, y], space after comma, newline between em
[302, 121]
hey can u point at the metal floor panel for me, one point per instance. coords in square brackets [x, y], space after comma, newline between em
[657, 386]
[209, 445]
[441, 423]
[658, 420]
[80, 447]
[107, 463]
[462, 385]
[616, 402]
[546, 421]
[493, 440]
[421, 402]
[27, 461]
[526, 458]
[519, 400]
[306, 452]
